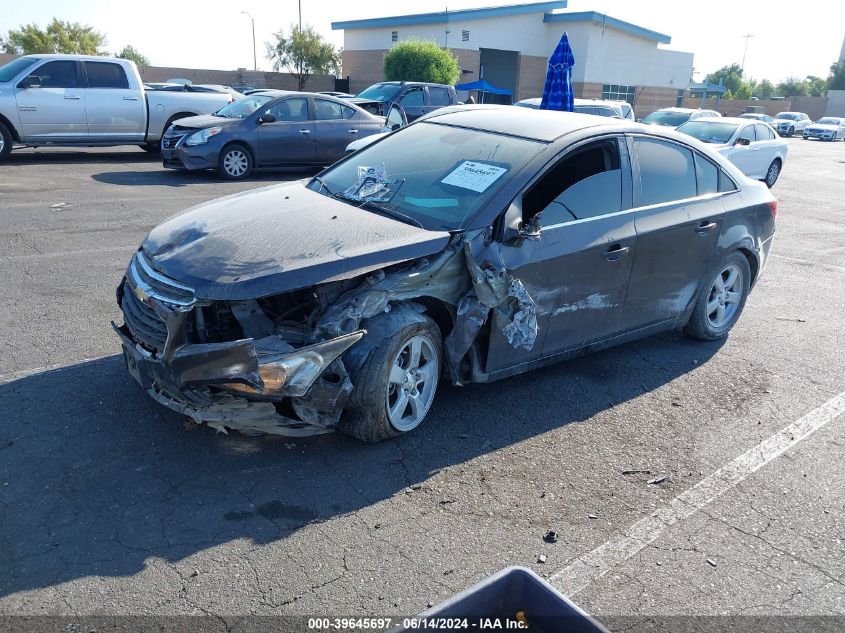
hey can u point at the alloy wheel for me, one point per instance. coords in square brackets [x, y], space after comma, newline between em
[411, 383]
[2, 143]
[235, 163]
[772, 174]
[725, 296]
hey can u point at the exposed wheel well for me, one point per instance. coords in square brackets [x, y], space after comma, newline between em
[243, 144]
[752, 260]
[440, 313]
[10, 127]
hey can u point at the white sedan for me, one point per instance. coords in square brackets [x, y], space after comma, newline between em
[828, 128]
[752, 146]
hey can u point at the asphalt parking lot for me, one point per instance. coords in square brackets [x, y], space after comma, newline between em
[112, 506]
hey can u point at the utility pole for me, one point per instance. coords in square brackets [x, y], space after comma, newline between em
[745, 50]
[254, 56]
[300, 16]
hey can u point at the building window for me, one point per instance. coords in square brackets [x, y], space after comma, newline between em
[616, 92]
[465, 36]
[394, 36]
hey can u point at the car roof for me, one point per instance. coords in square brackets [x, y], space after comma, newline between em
[539, 125]
[576, 101]
[673, 109]
[724, 119]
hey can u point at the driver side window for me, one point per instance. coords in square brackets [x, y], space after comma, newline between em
[294, 109]
[585, 184]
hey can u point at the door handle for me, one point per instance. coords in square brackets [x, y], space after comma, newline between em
[130, 98]
[615, 252]
[305, 131]
[705, 227]
[353, 131]
[73, 97]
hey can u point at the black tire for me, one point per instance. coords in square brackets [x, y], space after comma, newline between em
[772, 173]
[833, 138]
[6, 141]
[790, 132]
[228, 155]
[365, 416]
[700, 325]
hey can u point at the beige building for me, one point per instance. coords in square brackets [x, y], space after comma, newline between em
[509, 47]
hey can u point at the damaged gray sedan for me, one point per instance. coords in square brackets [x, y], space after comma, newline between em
[473, 245]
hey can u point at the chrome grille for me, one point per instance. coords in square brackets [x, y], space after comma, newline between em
[146, 326]
[173, 136]
[153, 283]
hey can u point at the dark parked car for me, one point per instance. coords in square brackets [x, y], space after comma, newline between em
[506, 240]
[416, 98]
[261, 131]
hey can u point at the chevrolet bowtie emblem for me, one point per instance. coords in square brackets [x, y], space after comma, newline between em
[139, 292]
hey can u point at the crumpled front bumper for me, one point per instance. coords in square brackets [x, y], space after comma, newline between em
[241, 384]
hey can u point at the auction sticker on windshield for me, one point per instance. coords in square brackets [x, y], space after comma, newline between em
[474, 176]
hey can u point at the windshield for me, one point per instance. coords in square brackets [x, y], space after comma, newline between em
[709, 132]
[11, 70]
[450, 174]
[828, 121]
[379, 92]
[672, 119]
[243, 107]
[787, 115]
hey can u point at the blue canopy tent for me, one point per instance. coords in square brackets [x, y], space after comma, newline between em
[482, 87]
[557, 92]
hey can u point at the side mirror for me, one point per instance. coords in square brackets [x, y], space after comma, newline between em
[267, 118]
[515, 229]
[396, 117]
[32, 81]
[742, 141]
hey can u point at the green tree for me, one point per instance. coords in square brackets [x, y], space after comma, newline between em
[58, 37]
[421, 60]
[130, 53]
[303, 53]
[836, 80]
[816, 86]
[744, 91]
[792, 87]
[764, 90]
[729, 76]
[728, 95]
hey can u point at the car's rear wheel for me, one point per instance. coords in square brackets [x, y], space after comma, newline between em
[772, 173]
[396, 384]
[721, 299]
[6, 141]
[235, 162]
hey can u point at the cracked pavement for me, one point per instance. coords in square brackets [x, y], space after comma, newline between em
[113, 506]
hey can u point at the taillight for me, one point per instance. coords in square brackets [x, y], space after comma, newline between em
[773, 207]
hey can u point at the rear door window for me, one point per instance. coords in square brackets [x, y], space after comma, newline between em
[438, 96]
[667, 172]
[707, 175]
[106, 75]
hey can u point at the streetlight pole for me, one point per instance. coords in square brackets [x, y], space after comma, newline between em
[254, 56]
[745, 50]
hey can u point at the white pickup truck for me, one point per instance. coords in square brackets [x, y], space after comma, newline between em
[88, 101]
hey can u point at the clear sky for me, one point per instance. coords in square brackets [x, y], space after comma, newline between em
[214, 34]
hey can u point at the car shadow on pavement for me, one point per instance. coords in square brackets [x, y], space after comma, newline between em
[76, 157]
[175, 178]
[95, 479]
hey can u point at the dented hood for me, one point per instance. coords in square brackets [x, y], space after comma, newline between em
[277, 239]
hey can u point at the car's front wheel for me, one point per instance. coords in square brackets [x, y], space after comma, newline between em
[5, 142]
[721, 299]
[790, 131]
[772, 173]
[396, 383]
[235, 162]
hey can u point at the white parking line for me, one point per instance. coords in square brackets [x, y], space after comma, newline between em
[25, 373]
[809, 261]
[589, 567]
